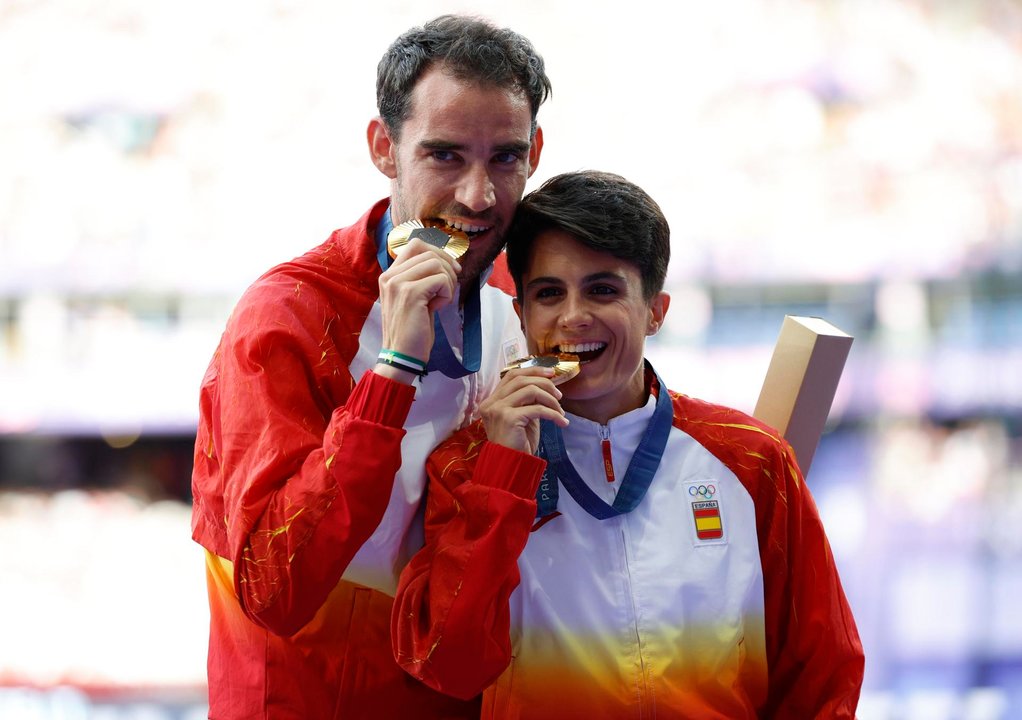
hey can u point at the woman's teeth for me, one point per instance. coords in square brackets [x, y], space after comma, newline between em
[585, 351]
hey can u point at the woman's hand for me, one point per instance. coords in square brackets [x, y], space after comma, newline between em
[511, 414]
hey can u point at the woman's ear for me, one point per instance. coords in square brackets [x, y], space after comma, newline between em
[657, 311]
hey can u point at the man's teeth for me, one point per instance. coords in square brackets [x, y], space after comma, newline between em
[582, 347]
[467, 228]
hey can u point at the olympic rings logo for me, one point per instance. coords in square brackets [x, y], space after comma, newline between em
[704, 491]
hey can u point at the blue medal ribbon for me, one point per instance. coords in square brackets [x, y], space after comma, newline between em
[637, 479]
[382, 231]
[441, 357]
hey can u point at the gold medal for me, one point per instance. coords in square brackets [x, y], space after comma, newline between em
[565, 365]
[434, 232]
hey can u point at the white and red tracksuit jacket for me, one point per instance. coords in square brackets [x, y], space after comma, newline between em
[716, 597]
[309, 468]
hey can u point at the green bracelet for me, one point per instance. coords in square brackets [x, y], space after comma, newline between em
[402, 362]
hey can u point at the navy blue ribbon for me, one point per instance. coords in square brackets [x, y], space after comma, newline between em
[637, 479]
[382, 231]
[441, 357]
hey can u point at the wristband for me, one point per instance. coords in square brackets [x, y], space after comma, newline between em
[402, 362]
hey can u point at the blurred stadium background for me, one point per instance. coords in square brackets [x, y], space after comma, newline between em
[859, 160]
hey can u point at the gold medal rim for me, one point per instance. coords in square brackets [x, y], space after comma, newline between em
[456, 245]
[566, 366]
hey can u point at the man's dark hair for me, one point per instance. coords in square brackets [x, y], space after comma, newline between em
[602, 211]
[470, 49]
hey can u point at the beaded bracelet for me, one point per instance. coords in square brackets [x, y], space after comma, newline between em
[402, 362]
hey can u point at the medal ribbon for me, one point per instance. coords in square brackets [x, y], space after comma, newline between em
[441, 356]
[637, 478]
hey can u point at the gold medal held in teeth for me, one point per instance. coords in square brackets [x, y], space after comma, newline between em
[565, 365]
[436, 233]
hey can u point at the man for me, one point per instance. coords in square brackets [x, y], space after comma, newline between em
[605, 548]
[309, 457]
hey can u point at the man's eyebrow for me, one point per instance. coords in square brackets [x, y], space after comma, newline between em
[439, 145]
[515, 146]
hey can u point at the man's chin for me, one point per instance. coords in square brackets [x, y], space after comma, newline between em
[481, 255]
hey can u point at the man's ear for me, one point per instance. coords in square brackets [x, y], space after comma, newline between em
[382, 147]
[535, 149]
[657, 311]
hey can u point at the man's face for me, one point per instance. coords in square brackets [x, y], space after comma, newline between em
[590, 303]
[463, 157]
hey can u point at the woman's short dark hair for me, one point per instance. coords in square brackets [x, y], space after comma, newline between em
[470, 49]
[602, 211]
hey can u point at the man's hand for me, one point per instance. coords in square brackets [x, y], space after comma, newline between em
[512, 413]
[421, 280]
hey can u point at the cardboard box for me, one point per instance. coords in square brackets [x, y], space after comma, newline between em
[801, 381]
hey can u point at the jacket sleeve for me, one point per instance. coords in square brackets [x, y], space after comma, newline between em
[815, 657]
[295, 462]
[450, 626]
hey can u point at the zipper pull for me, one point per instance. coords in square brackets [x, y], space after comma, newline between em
[608, 465]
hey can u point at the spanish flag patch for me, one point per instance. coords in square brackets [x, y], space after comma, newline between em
[706, 499]
[707, 517]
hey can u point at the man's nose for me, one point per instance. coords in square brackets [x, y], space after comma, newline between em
[476, 190]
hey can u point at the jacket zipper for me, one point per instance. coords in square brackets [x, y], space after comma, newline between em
[644, 699]
[608, 464]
